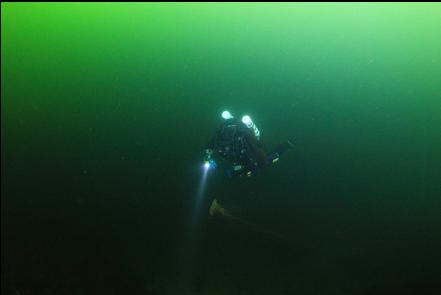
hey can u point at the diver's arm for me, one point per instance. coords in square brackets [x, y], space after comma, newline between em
[210, 145]
[280, 149]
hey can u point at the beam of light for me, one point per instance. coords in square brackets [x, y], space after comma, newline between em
[200, 193]
[191, 234]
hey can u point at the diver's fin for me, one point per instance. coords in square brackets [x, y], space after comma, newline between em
[216, 208]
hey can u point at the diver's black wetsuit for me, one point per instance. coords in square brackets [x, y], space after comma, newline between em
[238, 144]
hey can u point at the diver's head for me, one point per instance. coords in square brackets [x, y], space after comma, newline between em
[247, 121]
[227, 115]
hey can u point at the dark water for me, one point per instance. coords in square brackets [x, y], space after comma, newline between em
[106, 109]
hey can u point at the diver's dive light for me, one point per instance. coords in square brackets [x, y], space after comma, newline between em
[247, 121]
[210, 164]
[227, 115]
[250, 124]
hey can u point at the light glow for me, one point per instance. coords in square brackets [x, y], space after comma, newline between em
[247, 121]
[227, 115]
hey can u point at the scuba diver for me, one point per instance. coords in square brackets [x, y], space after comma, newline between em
[238, 143]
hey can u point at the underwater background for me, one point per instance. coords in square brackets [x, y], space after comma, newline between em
[106, 110]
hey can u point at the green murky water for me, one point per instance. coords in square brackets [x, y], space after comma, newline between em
[106, 109]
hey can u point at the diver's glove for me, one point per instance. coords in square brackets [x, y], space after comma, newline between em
[208, 154]
[209, 162]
